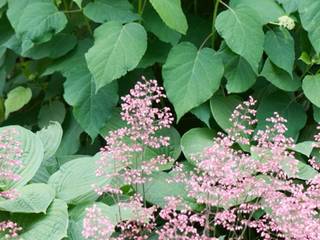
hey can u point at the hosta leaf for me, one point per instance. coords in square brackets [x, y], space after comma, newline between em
[74, 189]
[311, 88]
[110, 10]
[32, 198]
[310, 16]
[268, 10]
[171, 13]
[286, 107]
[50, 136]
[117, 49]
[203, 113]
[191, 76]
[53, 111]
[279, 45]
[222, 108]
[52, 225]
[238, 72]
[280, 78]
[32, 157]
[242, 30]
[154, 24]
[304, 148]
[16, 99]
[196, 140]
[35, 21]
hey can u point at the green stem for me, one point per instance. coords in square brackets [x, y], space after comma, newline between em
[73, 11]
[140, 7]
[88, 25]
[215, 12]
[205, 40]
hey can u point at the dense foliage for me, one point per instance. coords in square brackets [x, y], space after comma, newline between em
[83, 156]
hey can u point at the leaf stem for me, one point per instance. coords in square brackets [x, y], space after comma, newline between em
[205, 40]
[214, 16]
[73, 11]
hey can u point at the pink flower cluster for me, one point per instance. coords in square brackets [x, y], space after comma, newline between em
[10, 229]
[127, 145]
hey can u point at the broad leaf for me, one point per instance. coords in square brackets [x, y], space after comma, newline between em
[35, 21]
[196, 140]
[117, 49]
[279, 77]
[32, 157]
[242, 30]
[171, 13]
[310, 16]
[16, 99]
[191, 76]
[53, 111]
[316, 114]
[32, 198]
[311, 88]
[203, 113]
[110, 10]
[279, 45]
[222, 108]
[304, 148]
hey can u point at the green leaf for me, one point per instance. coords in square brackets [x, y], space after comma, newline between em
[280, 78]
[304, 148]
[53, 111]
[242, 30]
[16, 99]
[238, 72]
[117, 49]
[32, 198]
[110, 10]
[74, 189]
[78, 2]
[289, 6]
[203, 113]
[316, 114]
[32, 157]
[196, 140]
[279, 45]
[154, 24]
[286, 107]
[268, 10]
[35, 21]
[52, 225]
[311, 88]
[50, 136]
[171, 13]
[222, 108]
[191, 76]
[309, 11]
[304, 171]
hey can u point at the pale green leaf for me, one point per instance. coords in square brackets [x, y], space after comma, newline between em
[305, 147]
[16, 99]
[311, 88]
[242, 30]
[110, 10]
[171, 13]
[191, 76]
[117, 49]
[32, 198]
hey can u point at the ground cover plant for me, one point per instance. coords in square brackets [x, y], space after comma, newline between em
[159, 119]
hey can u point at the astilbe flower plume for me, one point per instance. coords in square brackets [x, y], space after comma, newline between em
[126, 145]
[10, 160]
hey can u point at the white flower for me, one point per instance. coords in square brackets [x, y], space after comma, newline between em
[287, 22]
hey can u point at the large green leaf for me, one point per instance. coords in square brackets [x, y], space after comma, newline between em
[117, 49]
[75, 179]
[196, 140]
[16, 99]
[310, 16]
[311, 88]
[242, 30]
[32, 198]
[289, 5]
[53, 111]
[286, 107]
[237, 71]
[50, 136]
[35, 21]
[154, 24]
[279, 45]
[191, 76]
[32, 157]
[268, 10]
[280, 78]
[110, 10]
[222, 108]
[171, 13]
[203, 113]
[52, 225]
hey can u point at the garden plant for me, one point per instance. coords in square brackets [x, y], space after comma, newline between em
[160, 119]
